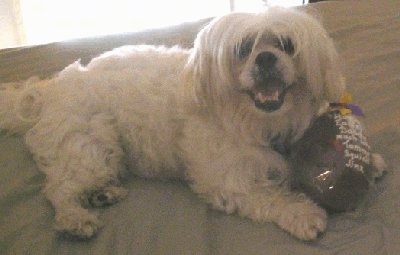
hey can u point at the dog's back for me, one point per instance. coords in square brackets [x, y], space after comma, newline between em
[137, 87]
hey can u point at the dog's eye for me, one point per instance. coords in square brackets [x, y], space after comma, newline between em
[245, 48]
[287, 45]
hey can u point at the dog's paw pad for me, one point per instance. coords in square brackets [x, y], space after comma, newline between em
[304, 220]
[107, 196]
[82, 224]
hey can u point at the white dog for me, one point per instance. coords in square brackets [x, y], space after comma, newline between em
[209, 114]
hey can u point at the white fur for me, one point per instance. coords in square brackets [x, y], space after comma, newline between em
[171, 112]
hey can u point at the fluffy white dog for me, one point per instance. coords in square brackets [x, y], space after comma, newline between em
[209, 114]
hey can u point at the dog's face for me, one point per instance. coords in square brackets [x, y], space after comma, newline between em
[266, 69]
[263, 60]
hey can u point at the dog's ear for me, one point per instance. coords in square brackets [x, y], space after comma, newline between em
[208, 72]
[321, 62]
[197, 76]
[201, 90]
[334, 81]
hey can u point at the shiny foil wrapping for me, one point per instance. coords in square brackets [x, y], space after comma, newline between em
[331, 160]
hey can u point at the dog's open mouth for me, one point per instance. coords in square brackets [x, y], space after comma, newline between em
[269, 97]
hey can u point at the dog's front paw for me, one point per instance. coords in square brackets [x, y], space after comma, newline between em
[305, 220]
[79, 223]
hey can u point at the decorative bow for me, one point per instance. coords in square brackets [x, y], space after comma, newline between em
[345, 107]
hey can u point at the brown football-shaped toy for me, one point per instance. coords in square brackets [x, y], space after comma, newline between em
[331, 162]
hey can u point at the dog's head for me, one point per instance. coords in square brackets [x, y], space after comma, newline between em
[261, 59]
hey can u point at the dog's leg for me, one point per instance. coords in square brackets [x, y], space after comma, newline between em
[70, 216]
[78, 156]
[250, 181]
[293, 212]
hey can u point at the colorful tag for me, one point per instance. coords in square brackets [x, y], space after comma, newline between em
[345, 107]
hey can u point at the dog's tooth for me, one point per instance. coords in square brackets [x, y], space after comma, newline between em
[276, 96]
[261, 97]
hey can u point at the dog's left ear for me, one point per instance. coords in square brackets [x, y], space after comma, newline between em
[322, 65]
[333, 79]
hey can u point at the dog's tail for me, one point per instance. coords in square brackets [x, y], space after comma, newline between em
[20, 105]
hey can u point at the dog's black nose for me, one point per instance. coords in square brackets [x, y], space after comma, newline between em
[266, 59]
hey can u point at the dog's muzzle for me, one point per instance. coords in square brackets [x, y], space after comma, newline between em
[269, 90]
